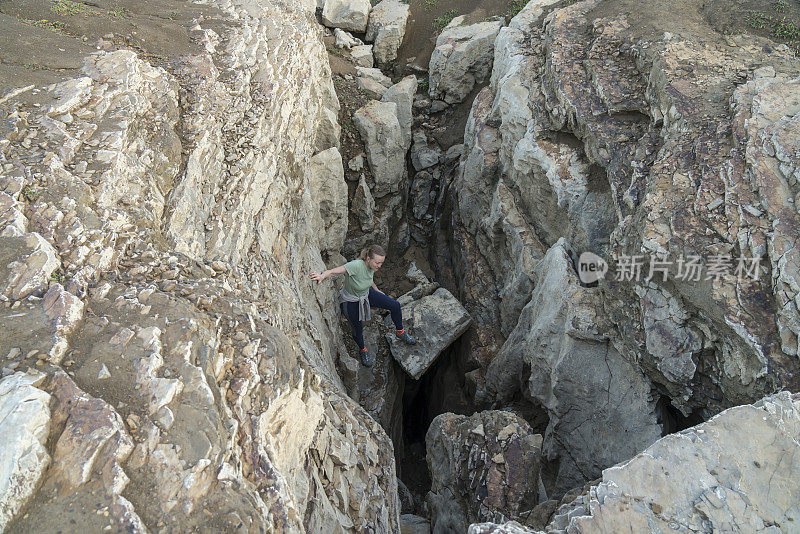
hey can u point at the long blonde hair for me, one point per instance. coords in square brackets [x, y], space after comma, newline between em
[371, 251]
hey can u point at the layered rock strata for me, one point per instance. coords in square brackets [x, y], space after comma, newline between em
[629, 142]
[190, 362]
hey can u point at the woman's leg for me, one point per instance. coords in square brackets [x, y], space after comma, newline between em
[379, 300]
[351, 311]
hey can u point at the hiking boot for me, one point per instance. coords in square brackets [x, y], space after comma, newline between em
[406, 337]
[367, 359]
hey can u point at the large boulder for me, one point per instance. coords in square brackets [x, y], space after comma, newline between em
[559, 355]
[386, 28]
[436, 320]
[462, 58]
[350, 15]
[329, 189]
[362, 56]
[24, 427]
[380, 130]
[735, 473]
[484, 467]
[402, 94]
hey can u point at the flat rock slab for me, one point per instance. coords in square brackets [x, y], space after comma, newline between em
[436, 320]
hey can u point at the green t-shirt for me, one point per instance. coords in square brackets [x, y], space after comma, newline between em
[358, 279]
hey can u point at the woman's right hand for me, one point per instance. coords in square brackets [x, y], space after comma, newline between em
[319, 277]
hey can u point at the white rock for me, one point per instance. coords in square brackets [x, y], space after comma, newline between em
[356, 164]
[380, 130]
[362, 56]
[345, 40]
[104, 373]
[348, 15]
[402, 94]
[462, 58]
[24, 427]
[329, 192]
[374, 74]
[386, 28]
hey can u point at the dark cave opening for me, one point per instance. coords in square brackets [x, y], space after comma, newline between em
[441, 389]
[672, 420]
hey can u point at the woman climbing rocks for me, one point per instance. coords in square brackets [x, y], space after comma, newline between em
[360, 293]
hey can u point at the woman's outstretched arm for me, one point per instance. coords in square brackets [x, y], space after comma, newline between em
[319, 277]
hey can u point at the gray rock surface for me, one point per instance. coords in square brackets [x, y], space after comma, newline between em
[373, 89]
[386, 28]
[350, 15]
[642, 169]
[363, 205]
[380, 130]
[483, 467]
[414, 524]
[735, 473]
[402, 94]
[462, 58]
[329, 191]
[436, 320]
[423, 154]
[559, 354]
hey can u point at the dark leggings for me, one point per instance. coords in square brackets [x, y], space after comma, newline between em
[376, 300]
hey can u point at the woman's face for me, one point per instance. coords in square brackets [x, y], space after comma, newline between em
[375, 262]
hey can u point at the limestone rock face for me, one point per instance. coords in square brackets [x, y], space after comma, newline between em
[379, 127]
[559, 355]
[24, 425]
[164, 223]
[436, 320]
[350, 15]
[650, 161]
[402, 94]
[735, 472]
[364, 205]
[330, 193]
[386, 28]
[462, 58]
[362, 56]
[483, 467]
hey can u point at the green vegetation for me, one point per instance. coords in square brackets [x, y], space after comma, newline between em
[514, 7]
[439, 23]
[422, 85]
[52, 25]
[429, 4]
[28, 192]
[70, 7]
[778, 25]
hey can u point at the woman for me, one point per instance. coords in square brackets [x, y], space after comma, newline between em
[360, 293]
